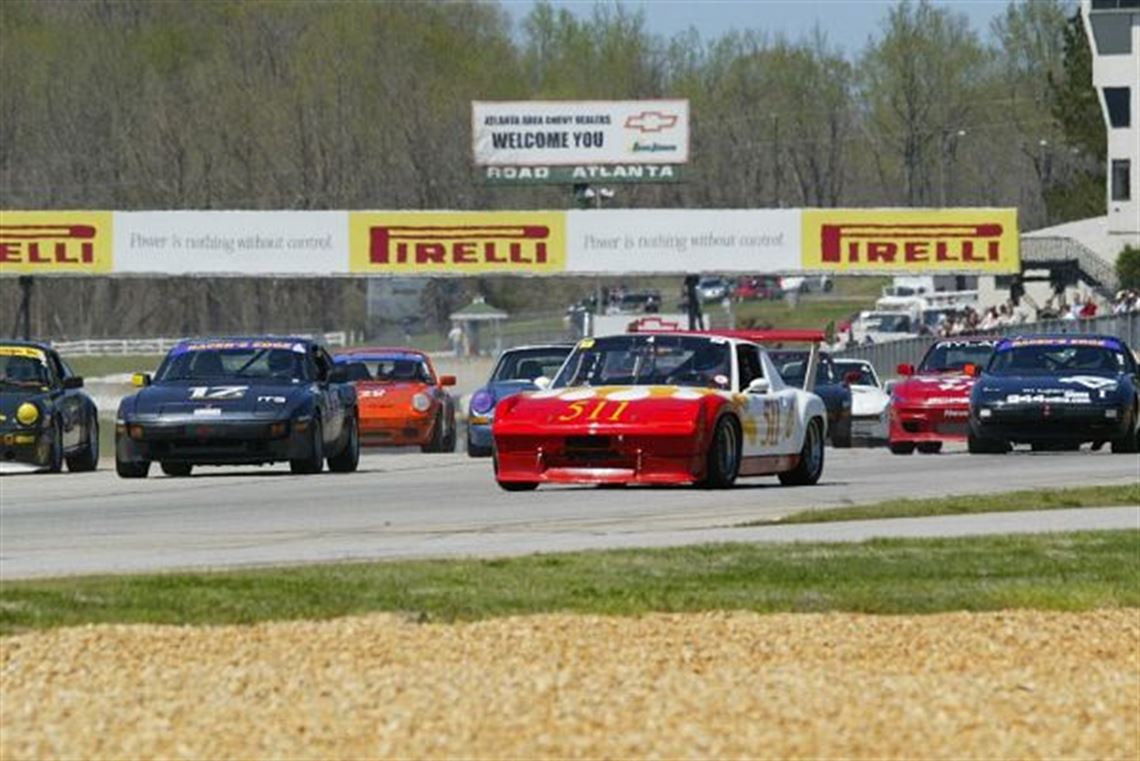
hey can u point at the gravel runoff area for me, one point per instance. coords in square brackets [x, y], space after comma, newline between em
[1019, 684]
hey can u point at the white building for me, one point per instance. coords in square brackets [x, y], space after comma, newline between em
[1113, 28]
[1092, 245]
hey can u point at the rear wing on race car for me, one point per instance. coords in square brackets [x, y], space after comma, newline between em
[767, 337]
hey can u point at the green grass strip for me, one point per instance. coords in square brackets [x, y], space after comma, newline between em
[1075, 571]
[1036, 499]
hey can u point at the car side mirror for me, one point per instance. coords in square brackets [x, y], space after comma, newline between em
[972, 370]
[73, 382]
[542, 382]
[905, 370]
[759, 386]
[338, 374]
[447, 380]
[139, 380]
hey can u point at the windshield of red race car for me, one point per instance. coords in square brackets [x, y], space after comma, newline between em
[393, 368]
[648, 360]
[952, 356]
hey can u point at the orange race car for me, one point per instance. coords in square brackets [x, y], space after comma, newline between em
[402, 401]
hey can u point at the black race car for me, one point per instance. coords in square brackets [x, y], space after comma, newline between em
[240, 401]
[830, 386]
[1056, 392]
[44, 417]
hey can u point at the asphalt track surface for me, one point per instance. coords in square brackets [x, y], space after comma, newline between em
[419, 505]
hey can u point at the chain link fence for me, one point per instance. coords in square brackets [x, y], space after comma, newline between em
[887, 356]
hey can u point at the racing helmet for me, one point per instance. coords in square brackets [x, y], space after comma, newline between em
[281, 363]
[208, 363]
[24, 370]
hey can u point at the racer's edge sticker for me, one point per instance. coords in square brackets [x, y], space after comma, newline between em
[22, 351]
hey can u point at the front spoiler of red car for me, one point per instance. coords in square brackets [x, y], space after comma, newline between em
[922, 424]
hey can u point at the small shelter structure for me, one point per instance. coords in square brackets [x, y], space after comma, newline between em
[471, 324]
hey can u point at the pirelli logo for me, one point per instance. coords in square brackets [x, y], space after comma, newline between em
[910, 243]
[488, 244]
[458, 243]
[953, 240]
[55, 242]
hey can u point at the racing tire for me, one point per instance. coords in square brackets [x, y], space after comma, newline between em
[979, 445]
[929, 447]
[435, 443]
[510, 485]
[448, 444]
[841, 436]
[87, 459]
[810, 467]
[1130, 442]
[348, 458]
[723, 458]
[126, 469]
[902, 447]
[176, 469]
[315, 462]
[474, 450]
[518, 485]
[1054, 446]
[55, 456]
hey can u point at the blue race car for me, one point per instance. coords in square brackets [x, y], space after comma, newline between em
[240, 401]
[1056, 392]
[830, 385]
[515, 372]
[45, 418]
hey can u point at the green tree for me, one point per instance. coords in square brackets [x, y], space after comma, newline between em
[1075, 107]
[1128, 268]
[919, 91]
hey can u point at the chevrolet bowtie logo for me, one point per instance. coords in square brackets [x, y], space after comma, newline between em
[651, 121]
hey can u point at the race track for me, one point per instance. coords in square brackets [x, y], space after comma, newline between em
[417, 505]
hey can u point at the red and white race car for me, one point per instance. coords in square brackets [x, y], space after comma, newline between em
[931, 404]
[662, 408]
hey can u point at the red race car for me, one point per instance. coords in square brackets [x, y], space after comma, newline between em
[401, 400]
[932, 404]
[661, 408]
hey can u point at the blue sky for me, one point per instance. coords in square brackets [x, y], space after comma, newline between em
[848, 23]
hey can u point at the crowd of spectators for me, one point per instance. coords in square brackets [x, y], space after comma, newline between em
[1126, 301]
[970, 320]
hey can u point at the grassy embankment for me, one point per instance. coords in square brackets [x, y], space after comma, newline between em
[98, 366]
[1075, 571]
[1039, 499]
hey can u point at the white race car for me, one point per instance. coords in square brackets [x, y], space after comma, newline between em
[870, 404]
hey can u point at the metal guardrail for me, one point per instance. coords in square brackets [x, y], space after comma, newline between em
[887, 356]
[163, 345]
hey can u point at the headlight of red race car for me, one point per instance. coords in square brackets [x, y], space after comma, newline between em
[421, 403]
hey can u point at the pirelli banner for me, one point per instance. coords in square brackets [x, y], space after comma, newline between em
[538, 243]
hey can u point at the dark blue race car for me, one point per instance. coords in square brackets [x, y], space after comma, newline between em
[830, 386]
[1056, 392]
[240, 401]
[515, 372]
[45, 418]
